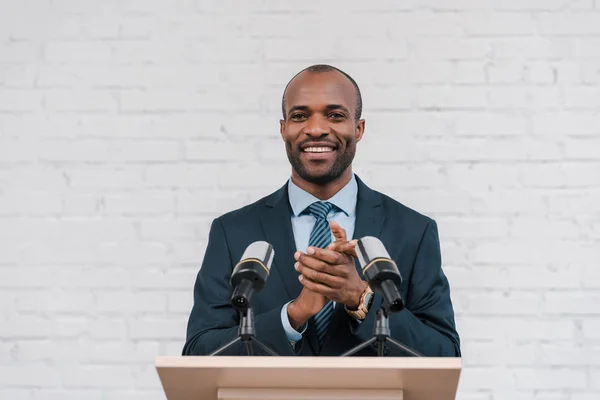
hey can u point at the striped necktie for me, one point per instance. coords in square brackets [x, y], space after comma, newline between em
[320, 237]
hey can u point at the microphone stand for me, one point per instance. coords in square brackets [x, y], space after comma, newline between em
[381, 336]
[245, 335]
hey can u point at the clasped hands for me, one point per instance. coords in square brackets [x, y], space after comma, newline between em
[326, 274]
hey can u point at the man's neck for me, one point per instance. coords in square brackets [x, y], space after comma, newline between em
[323, 192]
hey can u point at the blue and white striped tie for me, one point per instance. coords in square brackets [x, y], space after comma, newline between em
[320, 237]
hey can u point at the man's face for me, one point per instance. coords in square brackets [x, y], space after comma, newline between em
[320, 130]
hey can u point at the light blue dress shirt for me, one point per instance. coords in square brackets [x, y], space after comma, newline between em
[344, 214]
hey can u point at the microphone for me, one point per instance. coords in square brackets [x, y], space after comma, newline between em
[251, 273]
[380, 271]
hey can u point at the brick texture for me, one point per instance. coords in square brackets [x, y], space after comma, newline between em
[126, 126]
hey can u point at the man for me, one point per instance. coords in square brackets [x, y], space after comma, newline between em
[315, 301]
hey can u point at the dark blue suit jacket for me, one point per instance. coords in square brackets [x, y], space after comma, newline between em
[426, 324]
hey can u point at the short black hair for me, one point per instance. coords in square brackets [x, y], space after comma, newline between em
[317, 68]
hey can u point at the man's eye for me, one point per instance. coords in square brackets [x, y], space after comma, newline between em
[336, 115]
[297, 116]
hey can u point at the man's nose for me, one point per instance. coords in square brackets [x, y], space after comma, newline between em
[317, 127]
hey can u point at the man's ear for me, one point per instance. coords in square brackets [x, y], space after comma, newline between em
[360, 129]
[281, 127]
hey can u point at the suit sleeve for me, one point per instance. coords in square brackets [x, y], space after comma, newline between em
[427, 322]
[213, 321]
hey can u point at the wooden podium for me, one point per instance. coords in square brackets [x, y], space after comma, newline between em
[309, 378]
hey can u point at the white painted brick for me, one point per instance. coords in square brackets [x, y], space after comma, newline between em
[194, 202]
[572, 23]
[179, 303]
[482, 378]
[134, 394]
[17, 394]
[77, 52]
[77, 205]
[513, 303]
[595, 379]
[583, 149]
[564, 355]
[532, 48]
[453, 49]
[544, 5]
[29, 376]
[145, 377]
[109, 352]
[457, 97]
[117, 151]
[571, 303]
[586, 47]
[456, 227]
[157, 328]
[582, 97]
[126, 253]
[469, 72]
[132, 124]
[564, 378]
[31, 203]
[482, 176]
[172, 229]
[488, 124]
[590, 73]
[26, 327]
[19, 100]
[516, 329]
[17, 76]
[565, 123]
[106, 178]
[540, 73]
[30, 177]
[19, 52]
[51, 301]
[101, 327]
[204, 150]
[101, 376]
[430, 24]
[83, 229]
[490, 354]
[68, 394]
[432, 72]
[182, 279]
[128, 302]
[498, 24]
[156, 203]
[388, 98]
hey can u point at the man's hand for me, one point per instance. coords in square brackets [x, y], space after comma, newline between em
[331, 272]
[306, 305]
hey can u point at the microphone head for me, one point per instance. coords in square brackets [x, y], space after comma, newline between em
[368, 249]
[380, 271]
[251, 273]
[260, 251]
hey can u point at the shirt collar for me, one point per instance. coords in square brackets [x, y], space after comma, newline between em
[345, 199]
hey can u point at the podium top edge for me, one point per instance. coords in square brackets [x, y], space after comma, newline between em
[394, 363]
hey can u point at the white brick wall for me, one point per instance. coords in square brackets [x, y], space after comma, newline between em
[127, 125]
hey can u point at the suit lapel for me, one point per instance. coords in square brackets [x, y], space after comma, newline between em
[277, 225]
[276, 222]
[369, 222]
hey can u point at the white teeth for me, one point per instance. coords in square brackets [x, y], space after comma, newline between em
[318, 149]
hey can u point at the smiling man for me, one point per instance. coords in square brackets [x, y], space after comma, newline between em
[315, 301]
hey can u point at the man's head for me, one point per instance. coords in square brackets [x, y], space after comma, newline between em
[321, 123]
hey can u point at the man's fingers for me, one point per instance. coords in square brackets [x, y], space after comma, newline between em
[315, 286]
[328, 255]
[312, 262]
[347, 248]
[320, 277]
[338, 232]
